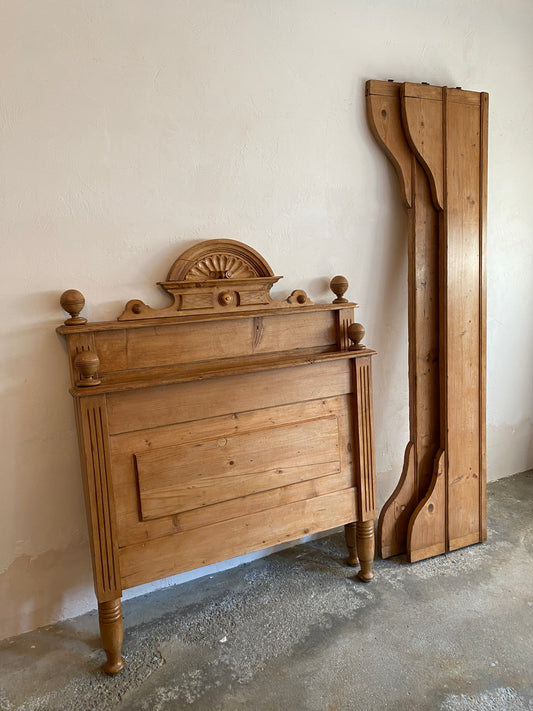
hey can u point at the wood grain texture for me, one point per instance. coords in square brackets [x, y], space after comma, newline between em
[423, 317]
[383, 110]
[396, 513]
[132, 529]
[427, 531]
[464, 322]
[423, 325]
[158, 406]
[483, 177]
[345, 317]
[424, 369]
[160, 558]
[424, 130]
[154, 346]
[185, 477]
[364, 439]
[98, 486]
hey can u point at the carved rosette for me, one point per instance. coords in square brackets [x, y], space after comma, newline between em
[219, 259]
[216, 276]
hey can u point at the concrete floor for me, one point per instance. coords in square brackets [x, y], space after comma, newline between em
[298, 631]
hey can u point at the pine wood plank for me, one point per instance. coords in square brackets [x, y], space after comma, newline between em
[186, 550]
[463, 322]
[184, 402]
[208, 340]
[189, 476]
[483, 168]
[129, 380]
[424, 318]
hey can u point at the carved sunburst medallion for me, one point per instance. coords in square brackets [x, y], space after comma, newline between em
[220, 266]
[219, 259]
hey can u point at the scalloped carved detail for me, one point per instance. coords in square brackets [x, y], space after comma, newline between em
[220, 266]
[219, 259]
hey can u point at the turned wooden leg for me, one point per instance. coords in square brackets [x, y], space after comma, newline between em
[110, 618]
[351, 544]
[365, 549]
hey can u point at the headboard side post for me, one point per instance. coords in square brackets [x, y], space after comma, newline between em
[93, 433]
[91, 415]
[365, 479]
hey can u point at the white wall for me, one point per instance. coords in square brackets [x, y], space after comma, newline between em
[132, 128]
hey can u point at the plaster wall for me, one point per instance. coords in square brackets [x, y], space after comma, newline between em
[131, 129]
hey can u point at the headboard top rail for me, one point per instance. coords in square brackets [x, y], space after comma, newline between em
[211, 279]
[222, 319]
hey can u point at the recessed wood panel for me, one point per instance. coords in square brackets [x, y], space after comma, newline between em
[131, 528]
[189, 476]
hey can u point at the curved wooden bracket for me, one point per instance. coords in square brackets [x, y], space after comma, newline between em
[384, 118]
[395, 514]
[424, 129]
[426, 534]
[436, 138]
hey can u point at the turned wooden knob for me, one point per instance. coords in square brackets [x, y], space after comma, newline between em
[339, 286]
[87, 364]
[73, 301]
[226, 298]
[356, 333]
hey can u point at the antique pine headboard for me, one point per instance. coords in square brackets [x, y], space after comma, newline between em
[221, 424]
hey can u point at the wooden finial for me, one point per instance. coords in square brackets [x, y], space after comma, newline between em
[73, 301]
[87, 363]
[356, 333]
[339, 286]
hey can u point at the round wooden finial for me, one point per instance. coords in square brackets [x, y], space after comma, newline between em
[87, 363]
[339, 285]
[73, 301]
[356, 333]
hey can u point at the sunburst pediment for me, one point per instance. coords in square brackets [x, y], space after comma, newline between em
[219, 259]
